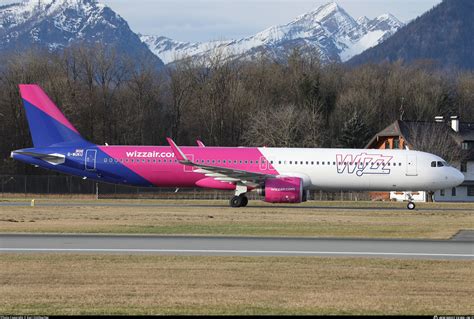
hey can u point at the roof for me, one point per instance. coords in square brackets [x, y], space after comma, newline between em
[466, 130]
[410, 129]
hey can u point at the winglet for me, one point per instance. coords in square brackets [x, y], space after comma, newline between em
[177, 152]
[200, 143]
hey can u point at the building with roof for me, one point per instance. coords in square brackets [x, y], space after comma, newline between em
[450, 139]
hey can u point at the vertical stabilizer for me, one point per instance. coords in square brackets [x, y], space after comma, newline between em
[48, 126]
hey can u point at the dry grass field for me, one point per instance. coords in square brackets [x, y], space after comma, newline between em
[65, 284]
[318, 219]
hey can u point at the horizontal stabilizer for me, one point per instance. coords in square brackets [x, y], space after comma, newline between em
[54, 159]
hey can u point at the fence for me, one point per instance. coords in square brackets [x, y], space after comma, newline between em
[76, 187]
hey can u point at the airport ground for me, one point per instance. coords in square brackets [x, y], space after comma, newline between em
[142, 284]
[200, 217]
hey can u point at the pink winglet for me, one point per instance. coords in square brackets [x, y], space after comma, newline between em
[177, 152]
[33, 94]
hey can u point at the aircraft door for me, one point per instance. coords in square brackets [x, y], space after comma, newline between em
[91, 156]
[263, 164]
[411, 166]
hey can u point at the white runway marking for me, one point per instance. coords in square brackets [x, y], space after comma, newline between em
[232, 252]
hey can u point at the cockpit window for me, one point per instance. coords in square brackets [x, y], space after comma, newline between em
[439, 164]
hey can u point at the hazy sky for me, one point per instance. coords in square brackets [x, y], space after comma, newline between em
[203, 20]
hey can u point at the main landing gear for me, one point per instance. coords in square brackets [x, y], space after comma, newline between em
[239, 201]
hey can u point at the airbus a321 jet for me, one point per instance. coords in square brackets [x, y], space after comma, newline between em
[280, 175]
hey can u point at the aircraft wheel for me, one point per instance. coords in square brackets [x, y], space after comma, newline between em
[236, 201]
[411, 206]
[245, 201]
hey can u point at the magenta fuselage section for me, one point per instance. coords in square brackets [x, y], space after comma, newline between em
[160, 167]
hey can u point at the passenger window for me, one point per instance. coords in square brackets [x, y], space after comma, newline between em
[301, 162]
[291, 162]
[312, 163]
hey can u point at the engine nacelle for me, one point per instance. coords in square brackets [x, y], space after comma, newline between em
[284, 190]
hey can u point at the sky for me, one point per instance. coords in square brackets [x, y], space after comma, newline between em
[206, 20]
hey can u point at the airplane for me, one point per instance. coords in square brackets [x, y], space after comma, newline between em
[279, 175]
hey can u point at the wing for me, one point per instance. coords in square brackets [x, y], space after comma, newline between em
[223, 174]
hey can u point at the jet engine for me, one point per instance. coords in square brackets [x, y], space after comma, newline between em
[283, 190]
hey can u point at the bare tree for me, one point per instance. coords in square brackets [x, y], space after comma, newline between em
[436, 139]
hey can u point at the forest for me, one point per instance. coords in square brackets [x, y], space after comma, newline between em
[299, 102]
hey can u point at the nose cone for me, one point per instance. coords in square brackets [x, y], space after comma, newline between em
[458, 177]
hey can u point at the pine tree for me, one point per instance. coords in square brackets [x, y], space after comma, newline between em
[355, 133]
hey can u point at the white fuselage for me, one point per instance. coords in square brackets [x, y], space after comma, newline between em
[363, 169]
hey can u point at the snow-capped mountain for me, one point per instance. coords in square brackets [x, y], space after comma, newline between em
[329, 29]
[56, 24]
[442, 35]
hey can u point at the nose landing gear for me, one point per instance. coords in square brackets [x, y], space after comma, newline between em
[411, 204]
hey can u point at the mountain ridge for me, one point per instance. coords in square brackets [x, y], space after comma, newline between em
[328, 28]
[57, 24]
[442, 35]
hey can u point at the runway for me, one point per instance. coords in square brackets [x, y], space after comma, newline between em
[252, 205]
[236, 246]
